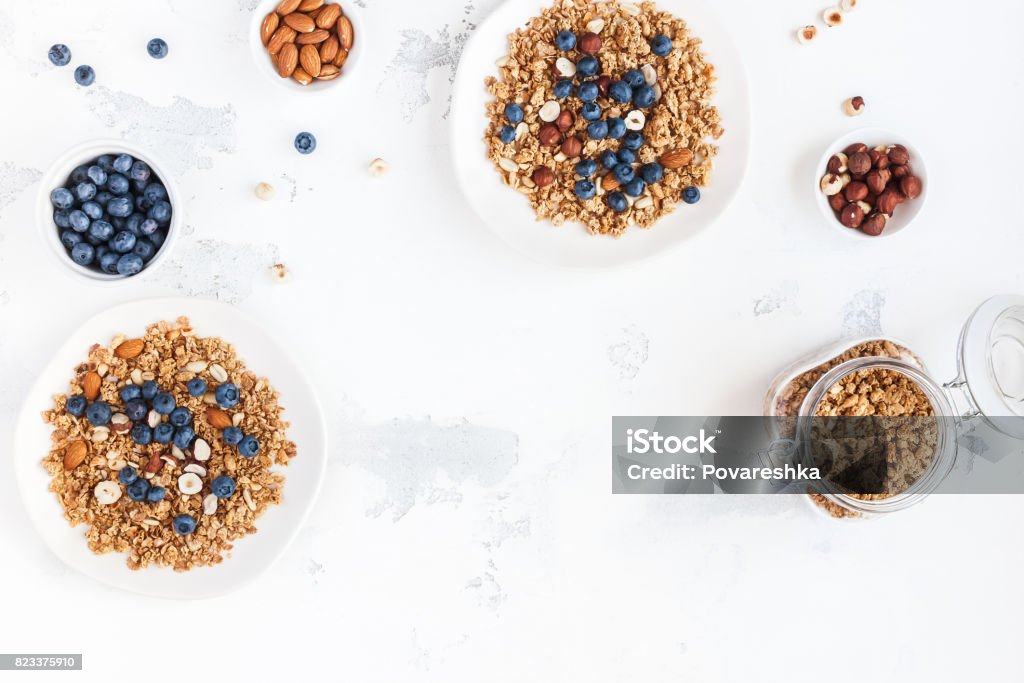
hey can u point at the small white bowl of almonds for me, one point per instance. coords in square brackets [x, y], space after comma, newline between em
[306, 45]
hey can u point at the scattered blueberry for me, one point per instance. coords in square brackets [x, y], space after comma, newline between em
[565, 40]
[196, 387]
[563, 89]
[586, 168]
[635, 187]
[150, 390]
[643, 96]
[588, 66]
[157, 48]
[597, 130]
[587, 91]
[624, 173]
[584, 189]
[248, 447]
[75, 405]
[609, 159]
[184, 524]
[98, 413]
[163, 433]
[142, 434]
[59, 54]
[691, 195]
[223, 486]
[141, 171]
[514, 113]
[62, 198]
[652, 172]
[507, 134]
[626, 156]
[616, 128]
[618, 202]
[130, 264]
[232, 436]
[127, 475]
[633, 140]
[84, 75]
[138, 489]
[155, 494]
[164, 403]
[661, 45]
[227, 395]
[620, 91]
[634, 78]
[591, 111]
[180, 417]
[123, 242]
[101, 230]
[69, 238]
[183, 437]
[83, 253]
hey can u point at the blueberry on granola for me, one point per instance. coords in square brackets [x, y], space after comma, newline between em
[652, 172]
[248, 446]
[624, 173]
[563, 88]
[609, 159]
[587, 91]
[584, 189]
[135, 409]
[232, 436]
[597, 130]
[514, 113]
[591, 111]
[635, 187]
[138, 489]
[661, 45]
[633, 140]
[616, 128]
[163, 433]
[223, 486]
[183, 437]
[588, 66]
[565, 40]
[184, 524]
[149, 390]
[507, 134]
[164, 403]
[586, 168]
[691, 195]
[626, 156]
[180, 417]
[227, 395]
[196, 387]
[618, 202]
[127, 475]
[75, 405]
[155, 494]
[643, 96]
[142, 434]
[620, 92]
[634, 77]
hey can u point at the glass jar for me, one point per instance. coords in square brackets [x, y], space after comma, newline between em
[989, 386]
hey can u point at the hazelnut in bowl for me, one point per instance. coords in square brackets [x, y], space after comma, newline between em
[108, 211]
[871, 183]
[306, 45]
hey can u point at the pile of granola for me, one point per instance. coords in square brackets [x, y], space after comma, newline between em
[85, 460]
[681, 122]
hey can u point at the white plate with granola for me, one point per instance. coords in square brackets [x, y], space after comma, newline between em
[661, 88]
[155, 440]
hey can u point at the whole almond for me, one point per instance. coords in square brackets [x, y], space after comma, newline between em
[676, 158]
[339, 60]
[299, 22]
[287, 6]
[301, 76]
[282, 36]
[309, 58]
[328, 50]
[217, 418]
[328, 15]
[270, 24]
[313, 37]
[74, 454]
[287, 60]
[129, 348]
[309, 5]
[345, 35]
[91, 385]
[328, 72]
[609, 182]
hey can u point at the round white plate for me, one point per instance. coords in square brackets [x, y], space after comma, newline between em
[276, 528]
[508, 212]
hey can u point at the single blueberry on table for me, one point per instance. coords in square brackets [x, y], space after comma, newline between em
[85, 191]
[586, 168]
[142, 434]
[155, 494]
[223, 486]
[129, 264]
[150, 390]
[139, 488]
[196, 387]
[232, 436]
[635, 187]
[565, 40]
[59, 54]
[97, 175]
[609, 159]
[587, 91]
[61, 198]
[161, 212]
[136, 409]
[618, 202]
[624, 173]
[69, 238]
[157, 48]
[584, 189]
[123, 242]
[563, 89]
[103, 198]
[305, 142]
[83, 253]
[144, 248]
[130, 392]
[634, 77]
[643, 96]
[180, 417]
[184, 524]
[92, 209]
[597, 130]
[148, 226]
[98, 413]
[183, 437]
[227, 395]
[661, 45]
[122, 163]
[117, 183]
[588, 66]
[154, 192]
[84, 75]
[75, 405]
[691, 195]
[633, 140]
[101, 230]
[507, 134]
[80, 174]
[513, 113]
[616, 128]
[127, 475]
[652, 172]
[163, 433]
[62, 217]
[626, 156]
[248, 447]
[121, 207]
[620, 91]
[164, 403]
[591, 111]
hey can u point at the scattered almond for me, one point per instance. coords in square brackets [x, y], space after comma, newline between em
[676, 158]
[74, 454]
[91, 385]
[217, 418]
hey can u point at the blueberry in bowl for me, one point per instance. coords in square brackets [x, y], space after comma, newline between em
[109, 211]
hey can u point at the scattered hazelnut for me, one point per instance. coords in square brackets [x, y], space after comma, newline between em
[911, 186]
[280, 274]
[837, 202]
[572, 147]
[851, 216]
[543, 176]
[265, 191]
[833, 17]
[898, 155]
[379, 167]
[874, 224]
[549, 135]
[855, 191]
[860, 164]
[854, 106]
[565, 120]
[854, 148]
[831, 184]
[602, 84]
[806, 34]
[837, 163]
[848, 5]
[590, 43]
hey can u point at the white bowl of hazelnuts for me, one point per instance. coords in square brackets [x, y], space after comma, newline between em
[871, 183]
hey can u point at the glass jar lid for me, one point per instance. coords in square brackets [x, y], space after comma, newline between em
[991, 363]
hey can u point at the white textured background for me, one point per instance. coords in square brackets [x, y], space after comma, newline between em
[466, 530]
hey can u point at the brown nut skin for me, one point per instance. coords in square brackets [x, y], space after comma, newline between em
[856, 191]
[900, 171]
[911, 186]
[565, 120]
[888, 201]
[572, 147]
[543, 176]
[879, 159]
[898, 155]
[874, 224]
[837, 202]
[602, 84]
[590, 43]
[877, 179]
[854, 148]
[859, 164]
[834, 164]
[549, 135]
[851, 216]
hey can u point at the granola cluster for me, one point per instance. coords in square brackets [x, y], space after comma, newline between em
[83, 456]
[682, 120]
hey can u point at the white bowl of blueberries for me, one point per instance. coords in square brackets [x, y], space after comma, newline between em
[108, 211]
